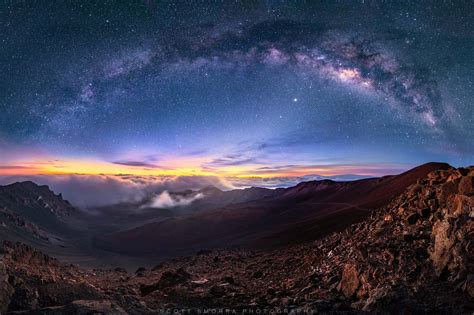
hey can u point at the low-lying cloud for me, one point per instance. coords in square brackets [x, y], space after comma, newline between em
[165, 200]
[87, 191]
[287, 181]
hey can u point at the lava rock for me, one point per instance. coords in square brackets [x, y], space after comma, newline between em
[466, 186]
[350, 280]
[443, 242]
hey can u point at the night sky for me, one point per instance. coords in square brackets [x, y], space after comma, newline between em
[232, 89]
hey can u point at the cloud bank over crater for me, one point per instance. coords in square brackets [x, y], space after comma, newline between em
[165, 200]
[99, 190]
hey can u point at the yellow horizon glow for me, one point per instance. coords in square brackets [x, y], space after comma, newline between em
[176, 167]
[93, 168]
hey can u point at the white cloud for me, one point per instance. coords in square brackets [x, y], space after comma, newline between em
[98, 190]
[165, 200]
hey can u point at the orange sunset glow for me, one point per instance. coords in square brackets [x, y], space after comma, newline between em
[186, 167]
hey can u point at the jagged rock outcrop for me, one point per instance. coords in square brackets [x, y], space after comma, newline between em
[37, 280]
[422, 239]
[35, 215]
[350, 280]
[28, 196]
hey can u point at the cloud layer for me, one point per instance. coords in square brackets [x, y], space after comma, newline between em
[87, 191]
[165, 200]
[99, 190]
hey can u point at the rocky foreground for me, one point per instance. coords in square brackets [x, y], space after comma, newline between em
[414, 256]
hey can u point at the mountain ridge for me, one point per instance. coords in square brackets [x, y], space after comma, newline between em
[267, 222]
[414, 255]
[254, 217]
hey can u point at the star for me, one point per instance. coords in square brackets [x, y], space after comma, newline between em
[254, 82]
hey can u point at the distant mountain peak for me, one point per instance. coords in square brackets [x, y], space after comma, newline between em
[210, 190]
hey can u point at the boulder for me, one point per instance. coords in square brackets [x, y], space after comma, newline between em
[443, 242]
[466, 185]
[350, 280]
[461, 204]
[168, 279]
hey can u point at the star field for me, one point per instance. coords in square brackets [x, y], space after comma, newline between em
[235, 88]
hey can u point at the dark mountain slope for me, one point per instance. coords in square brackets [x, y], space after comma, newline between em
[297, 214]
[26, 208]
[35, 215]
[341, 203]
[32, 201]
[413, 256]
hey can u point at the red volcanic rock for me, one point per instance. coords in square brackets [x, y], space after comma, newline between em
[444, 240]
[466, 185]
[350, 280]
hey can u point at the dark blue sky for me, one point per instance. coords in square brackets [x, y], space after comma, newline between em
[230, 88]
